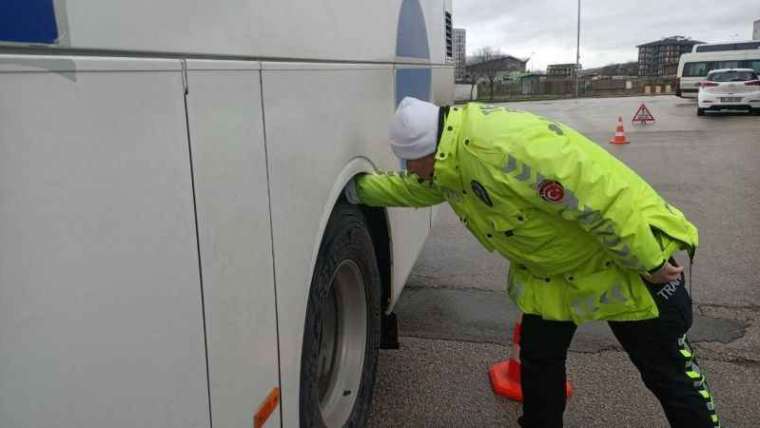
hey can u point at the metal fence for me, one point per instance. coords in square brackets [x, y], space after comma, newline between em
[527, 88]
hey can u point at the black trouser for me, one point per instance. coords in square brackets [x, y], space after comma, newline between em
[657, 347]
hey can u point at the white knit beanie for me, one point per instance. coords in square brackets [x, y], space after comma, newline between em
[414, 129]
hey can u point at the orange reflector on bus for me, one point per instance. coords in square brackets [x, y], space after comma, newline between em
[267, 408]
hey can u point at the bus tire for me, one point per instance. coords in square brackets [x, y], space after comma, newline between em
[342, 327]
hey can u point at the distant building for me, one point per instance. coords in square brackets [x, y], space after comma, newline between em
[756, 30]
[497, 68]
[625, 69]
[661, 58]
[460, 54]
[560, 71]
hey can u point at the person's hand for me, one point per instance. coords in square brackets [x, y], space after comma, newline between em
[352, 196]
[667, 273]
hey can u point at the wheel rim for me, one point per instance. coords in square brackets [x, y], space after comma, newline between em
[343, 342]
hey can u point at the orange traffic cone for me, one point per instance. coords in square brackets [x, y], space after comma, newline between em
[505, 375]
[619, 137]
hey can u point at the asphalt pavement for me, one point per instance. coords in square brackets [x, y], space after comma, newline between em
[455, 317]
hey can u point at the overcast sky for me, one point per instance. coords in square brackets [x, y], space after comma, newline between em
[545, 30]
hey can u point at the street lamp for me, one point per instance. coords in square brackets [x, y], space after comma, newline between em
[578, 53]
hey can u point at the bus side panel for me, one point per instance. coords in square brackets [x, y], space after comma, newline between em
[100, 305]
[319, 117]
[227, 137]
[441, 92]
[323, 29]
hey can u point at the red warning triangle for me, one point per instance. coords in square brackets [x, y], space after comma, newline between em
[643, 115]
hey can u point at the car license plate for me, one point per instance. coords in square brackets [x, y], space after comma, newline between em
[730, 99]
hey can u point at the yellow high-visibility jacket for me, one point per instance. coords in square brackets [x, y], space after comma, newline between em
[577, 225]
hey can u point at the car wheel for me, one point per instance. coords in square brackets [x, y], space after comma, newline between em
[700, 112]
[342, 328]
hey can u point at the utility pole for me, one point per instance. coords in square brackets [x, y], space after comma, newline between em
[578, 53]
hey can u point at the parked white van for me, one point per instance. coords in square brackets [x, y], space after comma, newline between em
[694, 67]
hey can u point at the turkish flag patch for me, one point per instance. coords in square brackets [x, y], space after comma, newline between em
[551, 191]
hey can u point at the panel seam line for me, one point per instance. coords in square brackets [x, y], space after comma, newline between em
[185, 88]
[271, 240]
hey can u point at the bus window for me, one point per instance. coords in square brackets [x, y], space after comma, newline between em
[694, 69]
[729, 64]
[713, 48]
[732, 76]
[699, 69]
[718, 47]
[748, 45]
[751, 63]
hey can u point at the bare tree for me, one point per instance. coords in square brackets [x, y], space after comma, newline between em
[482, 68]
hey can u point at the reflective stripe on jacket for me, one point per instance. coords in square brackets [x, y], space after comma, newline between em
[578, 226]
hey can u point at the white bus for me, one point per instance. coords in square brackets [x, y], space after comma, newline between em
[174, 249]
[693, 67]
